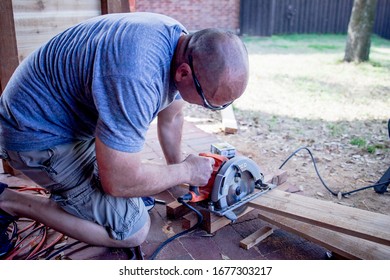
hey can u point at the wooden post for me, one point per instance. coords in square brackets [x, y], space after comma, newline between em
[115, 6]
[229, 122]
[8, 52]
[8, 48]
[132, 6]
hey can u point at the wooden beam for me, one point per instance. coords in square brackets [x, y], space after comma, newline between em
[176, 210]
[229, 123]
[347, 246]
[115, 6]
[8, 53]
[351, 221]
[8, 46]
[211, 222]
[278, 178]
[256, 237]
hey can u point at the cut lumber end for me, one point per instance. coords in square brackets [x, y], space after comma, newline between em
[211, 222]
[176, 210]
[229, 123]
[279, 177]
[256, 237]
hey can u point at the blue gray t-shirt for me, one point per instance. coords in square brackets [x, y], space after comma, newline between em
[108, 77]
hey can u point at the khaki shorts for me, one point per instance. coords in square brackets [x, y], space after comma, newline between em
[69, 172]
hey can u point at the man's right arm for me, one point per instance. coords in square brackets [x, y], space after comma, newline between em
[124, 174]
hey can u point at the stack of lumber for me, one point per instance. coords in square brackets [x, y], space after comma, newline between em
[350, 232]
[346, 231]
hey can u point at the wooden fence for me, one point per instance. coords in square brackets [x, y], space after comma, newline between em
[268, 17]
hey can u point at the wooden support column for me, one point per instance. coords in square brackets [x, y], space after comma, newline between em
[8, 48]
[132, 6]
[8, 52]
[115, 6]
[229, 123]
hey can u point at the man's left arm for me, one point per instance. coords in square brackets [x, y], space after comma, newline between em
[170, 128]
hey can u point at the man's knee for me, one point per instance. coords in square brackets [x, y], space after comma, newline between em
[142, 234]
[138, 237]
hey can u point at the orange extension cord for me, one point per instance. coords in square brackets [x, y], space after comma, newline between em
[31, 246]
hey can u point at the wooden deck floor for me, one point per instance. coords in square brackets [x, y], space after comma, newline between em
[197, 245]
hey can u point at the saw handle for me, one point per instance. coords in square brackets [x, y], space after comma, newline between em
[199, 193]
[195, 190]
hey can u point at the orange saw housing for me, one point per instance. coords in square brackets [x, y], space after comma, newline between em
[203, 192]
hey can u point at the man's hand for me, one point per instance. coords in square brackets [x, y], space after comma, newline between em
[126, 175]
[200, 169]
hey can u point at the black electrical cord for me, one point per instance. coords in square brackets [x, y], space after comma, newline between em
[182, 200]
[322, 181]
[187, 197]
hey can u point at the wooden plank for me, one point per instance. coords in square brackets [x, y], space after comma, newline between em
[211, 223]
[256, 237]
[347, 246]
[115, 6]
[36, 6]
[229, 123]
[352, 221]
[288, 187]
[189, 220]
[278, 178]
[176, 210]
[38, 21]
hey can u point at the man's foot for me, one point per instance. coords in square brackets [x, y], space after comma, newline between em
[6, 219]
[149, 202]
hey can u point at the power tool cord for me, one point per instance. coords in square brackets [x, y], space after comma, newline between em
[182, 200]
[187, 197]
[322, 181]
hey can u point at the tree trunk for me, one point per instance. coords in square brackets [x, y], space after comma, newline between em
[360, 28]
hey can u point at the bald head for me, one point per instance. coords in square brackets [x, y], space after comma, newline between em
[221, 61]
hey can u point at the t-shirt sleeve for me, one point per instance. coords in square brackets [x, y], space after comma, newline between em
[126, 108]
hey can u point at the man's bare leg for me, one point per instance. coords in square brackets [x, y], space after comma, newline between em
[47, 212]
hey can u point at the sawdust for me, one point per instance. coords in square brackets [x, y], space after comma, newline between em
[343, 166]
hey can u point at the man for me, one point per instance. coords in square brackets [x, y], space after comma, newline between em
[75, 113]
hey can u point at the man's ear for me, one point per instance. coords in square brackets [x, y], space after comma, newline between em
[183, 73]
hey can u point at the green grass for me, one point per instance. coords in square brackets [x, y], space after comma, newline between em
[323, 47]
[336, 130]
[303, 76]
[360, 142]
[370, 148]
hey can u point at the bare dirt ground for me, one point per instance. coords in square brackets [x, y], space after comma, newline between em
[344, 167]
[299, 94]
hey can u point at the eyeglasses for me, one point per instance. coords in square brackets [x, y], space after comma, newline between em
[200, 91]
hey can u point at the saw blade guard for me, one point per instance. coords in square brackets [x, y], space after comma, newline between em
[235, 180]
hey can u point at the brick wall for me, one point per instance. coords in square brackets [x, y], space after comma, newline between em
[196, 14]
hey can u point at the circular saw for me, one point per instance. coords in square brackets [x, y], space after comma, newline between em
[233, 183]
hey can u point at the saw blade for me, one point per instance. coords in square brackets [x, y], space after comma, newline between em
[234, 182]
[242, 186]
